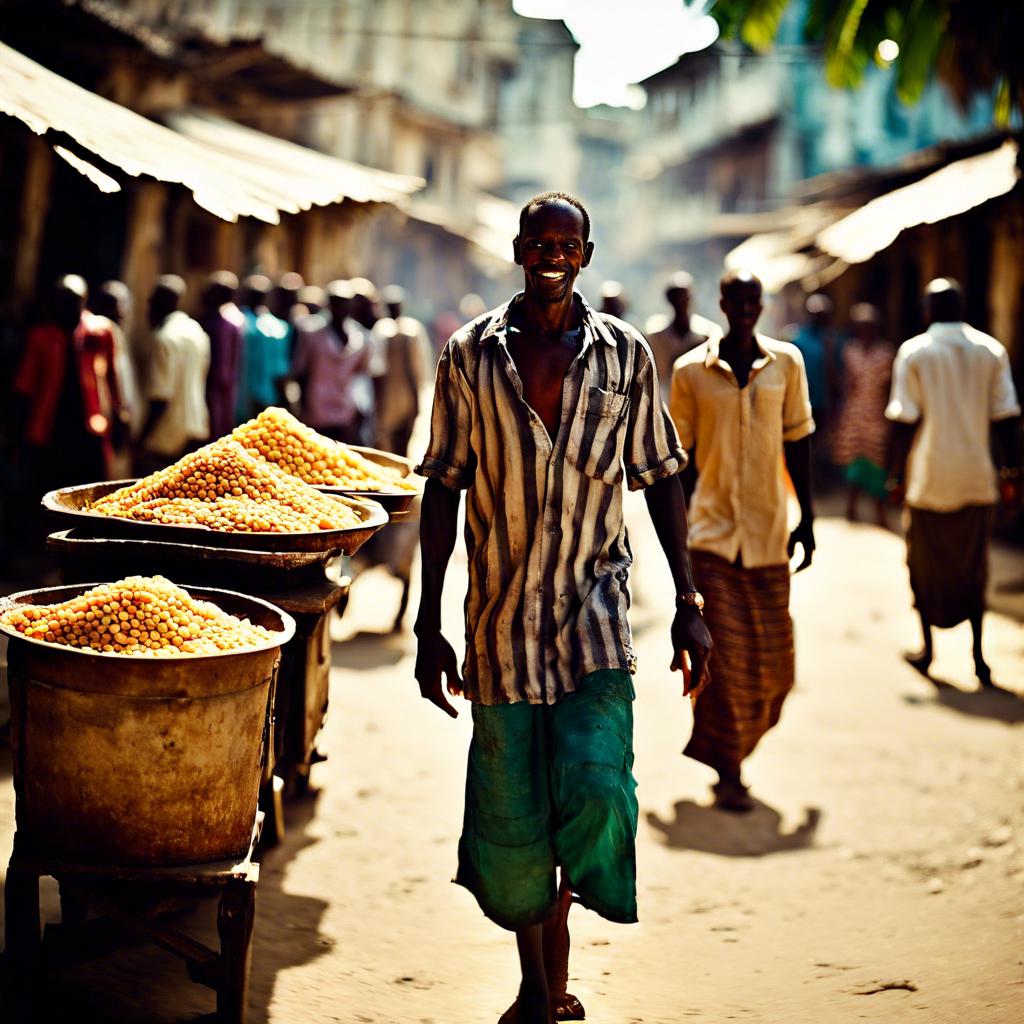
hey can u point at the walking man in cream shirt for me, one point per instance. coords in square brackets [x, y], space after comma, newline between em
[952, 395]
[741, 404]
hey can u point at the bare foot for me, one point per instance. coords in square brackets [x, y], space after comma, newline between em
[921, 662]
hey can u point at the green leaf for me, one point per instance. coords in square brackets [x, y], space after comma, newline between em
[755, 21]
[919, 48]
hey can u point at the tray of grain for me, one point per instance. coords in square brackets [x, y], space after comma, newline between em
[221, 496]
[332, 467]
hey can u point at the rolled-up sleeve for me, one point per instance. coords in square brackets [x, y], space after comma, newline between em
[652, 450]
[1003, 401]
[904, 397]
[797, 420]
[450, 457]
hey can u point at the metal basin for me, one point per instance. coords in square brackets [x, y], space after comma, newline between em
[131, 760]
[71, 504]
[394, 500]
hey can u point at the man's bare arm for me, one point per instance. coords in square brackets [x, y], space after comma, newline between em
[667, 506]
[798, 464]
[439, 514]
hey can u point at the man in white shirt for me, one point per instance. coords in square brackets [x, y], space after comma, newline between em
[401, 368]
[951, 392]
[671, 338]
[178, 419]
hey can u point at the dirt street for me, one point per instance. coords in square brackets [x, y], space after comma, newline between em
[881, 878]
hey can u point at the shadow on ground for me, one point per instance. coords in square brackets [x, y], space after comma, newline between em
[368, 650]
[757, 834]
[991, 702]
[143, 983]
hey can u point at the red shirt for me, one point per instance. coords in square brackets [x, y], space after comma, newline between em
[41, 377]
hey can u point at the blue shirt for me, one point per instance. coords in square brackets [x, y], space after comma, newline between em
[267, 358]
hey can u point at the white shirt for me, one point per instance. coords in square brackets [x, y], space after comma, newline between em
[954, 381]
[179, 363]
[739, 506]
[402, 357]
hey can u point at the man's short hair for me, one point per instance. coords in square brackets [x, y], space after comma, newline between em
[171, 284]
[680, 281]
[548, 199]
[257, 284]
[740, 278]
[341, 288]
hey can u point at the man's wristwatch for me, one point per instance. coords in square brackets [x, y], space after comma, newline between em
[694, 598]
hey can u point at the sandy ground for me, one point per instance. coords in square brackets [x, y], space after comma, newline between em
[880, 878]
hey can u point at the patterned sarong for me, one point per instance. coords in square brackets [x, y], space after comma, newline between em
[752, 664]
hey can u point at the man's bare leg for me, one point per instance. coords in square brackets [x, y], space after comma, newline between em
[983, 672]
[564, 1006]
[532, 1005]
[922, 660]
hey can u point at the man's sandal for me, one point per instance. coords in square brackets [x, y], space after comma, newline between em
[563, 1007]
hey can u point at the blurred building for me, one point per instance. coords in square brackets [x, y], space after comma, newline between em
[121, 157]
[728, 137]
[538, 122]
[424, 81]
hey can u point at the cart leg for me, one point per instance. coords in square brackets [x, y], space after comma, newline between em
[21, 922]
[235, 917]
[73, 907]
[271, 803]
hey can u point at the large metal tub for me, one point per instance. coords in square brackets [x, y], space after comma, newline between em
[129, 760]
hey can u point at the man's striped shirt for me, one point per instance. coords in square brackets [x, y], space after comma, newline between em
[548, 555]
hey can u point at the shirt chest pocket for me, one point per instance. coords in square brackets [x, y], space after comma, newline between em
[596, 441]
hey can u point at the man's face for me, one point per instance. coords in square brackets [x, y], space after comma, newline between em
[341, 308]
[680, 301]
[741, 304]
[68, 307]
[551, 250]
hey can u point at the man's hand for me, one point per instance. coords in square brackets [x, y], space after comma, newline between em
[1011, 493]
[804, 536]
[896, 491]
[691, 649]
[434, 658]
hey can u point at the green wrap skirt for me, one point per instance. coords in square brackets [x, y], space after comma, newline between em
[551, 785]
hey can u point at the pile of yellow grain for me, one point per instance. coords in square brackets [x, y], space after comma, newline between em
[139, 615]
[279, 438]
[224, 487]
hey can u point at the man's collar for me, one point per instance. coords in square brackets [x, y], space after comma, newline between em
[945, 328]
[713, 358]
[591, 324]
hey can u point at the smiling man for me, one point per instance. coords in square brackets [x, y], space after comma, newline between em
[543, 408]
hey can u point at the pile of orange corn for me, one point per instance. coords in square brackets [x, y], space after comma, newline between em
[279, 438]
[225, 487]
[139, 615]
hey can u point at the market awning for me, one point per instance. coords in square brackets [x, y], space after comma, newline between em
[236, 172]
[948, 192]
[318, 178]
[787, 254]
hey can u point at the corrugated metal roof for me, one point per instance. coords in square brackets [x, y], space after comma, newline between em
[948, 192]
[320, 179]
[262, 178]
